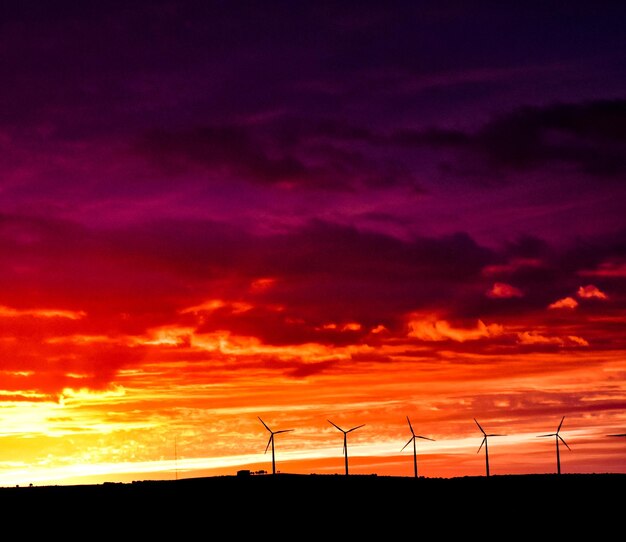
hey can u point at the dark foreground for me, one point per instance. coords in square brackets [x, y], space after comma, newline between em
[289, 489]
[585, 504]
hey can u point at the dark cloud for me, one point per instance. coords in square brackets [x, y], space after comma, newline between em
[282, 155]
[304, 370]
[587, 138]
[590, 137]
[226, 150]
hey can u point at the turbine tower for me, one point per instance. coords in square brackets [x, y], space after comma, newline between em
[414, 448]
[345, 440]
[486, 444]
[271, 441]
[558, 437]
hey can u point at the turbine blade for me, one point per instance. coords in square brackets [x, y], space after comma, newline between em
[355, 428]
[550, 435]
[479, 427]
[496, 435]
[410, 426]
[266, 427]
[425, 438]
[481, 444]
[340, 429]
[564, 443]
[619, 435]
[269, 442]
[403, 447]
[283, 431]
[557, 431]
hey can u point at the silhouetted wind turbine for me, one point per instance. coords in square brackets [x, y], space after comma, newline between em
[271, 441]
[414, 448]
[345, 440]
[486, 444]
[618, 435]
[557, 438]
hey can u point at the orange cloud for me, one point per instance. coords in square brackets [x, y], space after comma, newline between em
[262, 284]
[534, 337]
[211, 305]
[565, 303]
[503, 290]
[9, 312]
[591, 291]
[578, 340]
[350, 326]
[432, 329]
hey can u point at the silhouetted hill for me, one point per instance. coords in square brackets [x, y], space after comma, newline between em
[359, 489]
[329, 505]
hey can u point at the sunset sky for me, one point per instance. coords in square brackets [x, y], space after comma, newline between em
[308, 211]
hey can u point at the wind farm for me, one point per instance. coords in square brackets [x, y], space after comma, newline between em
[367, 491]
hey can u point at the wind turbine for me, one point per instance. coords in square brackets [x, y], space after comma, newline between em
[271, 441]
[619, 435]
[558, 437]
[345, 440]
[486, 444]
[414, 448]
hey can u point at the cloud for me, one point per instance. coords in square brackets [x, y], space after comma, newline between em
[591, 291]
[264, 155]
[578, 340]
[513, 266]
[503, 290]
[588, 136]
[226, 150]
[536, 338]
[609, 269]
[433, 329]
[8, 312]
[585, 136]
[565, 303]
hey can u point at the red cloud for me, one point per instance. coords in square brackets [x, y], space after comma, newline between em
[591, 291]
[611, 269]
[565, 303]
[512, 266]
[503, 290]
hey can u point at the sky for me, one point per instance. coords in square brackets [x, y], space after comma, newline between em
[212, 212]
